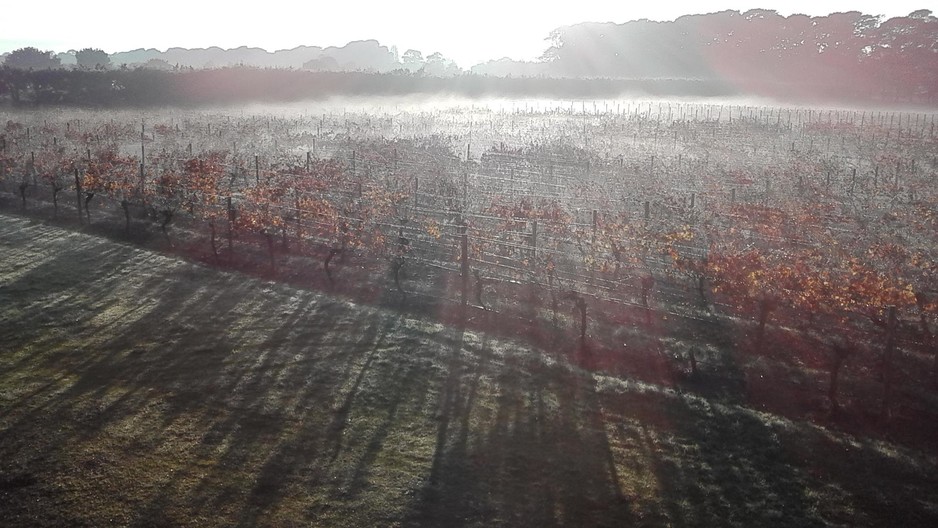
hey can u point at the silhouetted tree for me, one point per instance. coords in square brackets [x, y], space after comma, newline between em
[157, 64]
[324, 63]
[439, 66]
[412, 60]
[903, 54]
[92, 59]
[842, 54]
[30, 58]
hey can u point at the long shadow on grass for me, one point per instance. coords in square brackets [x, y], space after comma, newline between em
[235, 393]
[66, 280]
[520, 443]
[53, 312]
[712, 462]
[175, 395]
[179, 348]
[725, 466]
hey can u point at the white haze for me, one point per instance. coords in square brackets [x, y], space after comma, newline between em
[416, 104]
[467, 33]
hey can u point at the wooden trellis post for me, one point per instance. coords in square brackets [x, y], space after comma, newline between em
[416, 189]
[78, 196]
[232, 214]
[464, 259]
[593, 247]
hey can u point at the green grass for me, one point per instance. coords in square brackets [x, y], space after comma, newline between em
[137, 389]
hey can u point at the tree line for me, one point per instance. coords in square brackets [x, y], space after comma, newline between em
[149, 87]
[762, 52]
[843, 56]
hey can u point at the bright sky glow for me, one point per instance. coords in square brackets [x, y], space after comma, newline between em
[469, 32]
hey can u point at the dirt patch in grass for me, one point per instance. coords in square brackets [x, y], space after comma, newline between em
[138, 389]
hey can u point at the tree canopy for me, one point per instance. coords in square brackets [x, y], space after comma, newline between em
[93, 59]
[30, 58]
[758, 46]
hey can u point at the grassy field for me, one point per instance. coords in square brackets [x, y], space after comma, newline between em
[139, 389]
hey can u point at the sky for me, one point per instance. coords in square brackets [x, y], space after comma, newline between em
[467, 32]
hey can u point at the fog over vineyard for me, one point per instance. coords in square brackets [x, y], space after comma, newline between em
[675, 273]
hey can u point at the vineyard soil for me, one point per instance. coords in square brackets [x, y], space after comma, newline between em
[140, 389]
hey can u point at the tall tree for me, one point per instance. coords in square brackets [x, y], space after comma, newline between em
[93, 59]
[30, 58]
[412, 60]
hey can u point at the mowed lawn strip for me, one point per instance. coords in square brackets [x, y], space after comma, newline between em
[138, 389]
